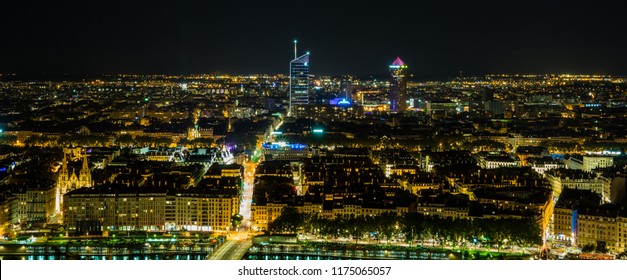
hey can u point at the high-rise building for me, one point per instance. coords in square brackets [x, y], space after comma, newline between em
[346, 88]
[398, 86]
[299, 82]
[495, 108]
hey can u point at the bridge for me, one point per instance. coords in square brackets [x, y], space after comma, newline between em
[233, 249]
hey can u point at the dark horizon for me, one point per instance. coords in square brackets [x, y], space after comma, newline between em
[434, 39]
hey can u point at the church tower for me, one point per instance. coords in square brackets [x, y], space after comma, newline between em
[67, 182]
[63, 173]
[84, 176]
[62, 184]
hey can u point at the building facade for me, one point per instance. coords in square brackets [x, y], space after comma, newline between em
[602, 230]
[588, 163]
[151, 209]
[576, 179]
[32, 205]
[564, 224]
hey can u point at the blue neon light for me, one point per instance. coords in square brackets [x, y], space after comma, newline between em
[277, 146]
[344, 102]
[340, 101]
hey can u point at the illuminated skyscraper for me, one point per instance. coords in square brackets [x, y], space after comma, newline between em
[398, 86]
[299, 82]
[346, 88]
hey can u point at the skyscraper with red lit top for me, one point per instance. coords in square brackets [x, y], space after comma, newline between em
[398, 86]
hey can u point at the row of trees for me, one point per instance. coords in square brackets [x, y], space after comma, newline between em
[588, 145]
[83, 140]
[122, 140]
[67, 140]
[444, 142]
[143, 141]
[412, 228]
[330, 139]
[7, 139]
[483, 145]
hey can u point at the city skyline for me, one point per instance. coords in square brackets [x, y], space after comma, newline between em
[436, 38]
[500, 167]
[156, 130]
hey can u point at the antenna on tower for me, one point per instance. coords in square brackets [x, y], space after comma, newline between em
[295, 53]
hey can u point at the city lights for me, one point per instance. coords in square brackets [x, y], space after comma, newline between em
[348, 154]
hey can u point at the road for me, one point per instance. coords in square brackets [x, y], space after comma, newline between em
[247, 192]
[233, 249]
[238, 244]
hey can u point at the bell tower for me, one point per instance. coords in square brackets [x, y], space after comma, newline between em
[84, 177]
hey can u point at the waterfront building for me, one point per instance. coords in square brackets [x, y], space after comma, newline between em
[156, 208]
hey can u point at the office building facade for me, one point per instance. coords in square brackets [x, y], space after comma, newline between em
[299, 82]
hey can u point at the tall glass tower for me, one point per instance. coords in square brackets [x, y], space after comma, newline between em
[398, 86]
[299, 82]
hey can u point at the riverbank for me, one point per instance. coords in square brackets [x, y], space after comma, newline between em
[334, 250]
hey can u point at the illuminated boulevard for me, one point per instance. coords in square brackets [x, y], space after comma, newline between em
[247, 192]
[238, 243]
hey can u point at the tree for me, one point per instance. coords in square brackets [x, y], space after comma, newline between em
[40, 141]
[355, 227]
[6, 230]
[83, 140]
[145, 141]
[386, 225]
[413, 226]
[236, 220]
[125, 140]
[202, 143]
[483, 145]
[7, 139]
[588, 248]
[289, 221]
[595, 145]
[561, 147]
[466, 255]
[601, 247]
[247, 140]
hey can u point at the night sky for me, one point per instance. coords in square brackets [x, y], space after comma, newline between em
[433, 38]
